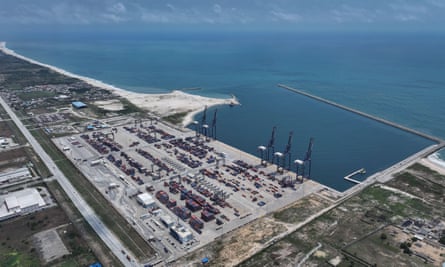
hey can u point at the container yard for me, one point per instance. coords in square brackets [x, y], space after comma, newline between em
[180, 189]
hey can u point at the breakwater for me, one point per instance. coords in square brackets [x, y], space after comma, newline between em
[369, 116]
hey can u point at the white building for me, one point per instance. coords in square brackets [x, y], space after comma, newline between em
[182, 234]
[20, 202]
[167, 221]
[15, 176]
[146, 200]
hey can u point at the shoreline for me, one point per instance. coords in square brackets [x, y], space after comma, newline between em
[160, 104]
[433, 162]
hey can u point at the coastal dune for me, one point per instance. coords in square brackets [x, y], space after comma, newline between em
[159, 104]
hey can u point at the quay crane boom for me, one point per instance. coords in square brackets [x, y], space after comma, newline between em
[271, 143]
[287, 150]
[308, 158]
[214, 125]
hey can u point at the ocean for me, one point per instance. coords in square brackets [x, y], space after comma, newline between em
[398, 76]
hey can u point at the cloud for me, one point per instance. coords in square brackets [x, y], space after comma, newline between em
[113, 18]
[118, 8]
[346, 13]
[171, 7]
[155, 17]
[285, 16]
[405, 17]
[217, 9]
[437, 3]
[316, 13]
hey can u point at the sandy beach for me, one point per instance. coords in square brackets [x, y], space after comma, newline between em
[434, 163]
[159, 104]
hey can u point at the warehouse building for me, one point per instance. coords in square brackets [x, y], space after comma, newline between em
[146, 200]
[78, 104]
[14, 176]
[20, 203]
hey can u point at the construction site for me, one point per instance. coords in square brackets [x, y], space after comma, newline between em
[181, 188]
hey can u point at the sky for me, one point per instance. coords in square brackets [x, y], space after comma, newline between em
[231, 14]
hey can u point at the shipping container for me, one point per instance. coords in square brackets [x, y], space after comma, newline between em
[192, 205]
[207, 216]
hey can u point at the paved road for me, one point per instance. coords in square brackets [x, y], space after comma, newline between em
[87, 212]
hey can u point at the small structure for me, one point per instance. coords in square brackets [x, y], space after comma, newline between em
[20, 202]
[96, 264]
[167, 221]
[113, 185]
[180, 233]
[146, 200]
[78, 105]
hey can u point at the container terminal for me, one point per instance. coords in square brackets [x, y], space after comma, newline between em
[182, 188]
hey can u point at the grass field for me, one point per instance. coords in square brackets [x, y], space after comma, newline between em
[17, 246]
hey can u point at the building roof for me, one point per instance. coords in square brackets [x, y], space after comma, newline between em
[15, 202]
[78, 104]
[167, 220]
[181, 231]
[14, 174]
[12, 203]
[145, 199]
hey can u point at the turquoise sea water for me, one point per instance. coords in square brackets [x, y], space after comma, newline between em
[399, 77]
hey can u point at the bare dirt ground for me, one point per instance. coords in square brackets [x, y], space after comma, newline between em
[16, 235]
[5, 131]
[110, 105]
[239, 245]
[82, 229]
[351, 233]
[50, 245]
[14, 157]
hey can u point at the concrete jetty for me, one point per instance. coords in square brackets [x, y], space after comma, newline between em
[349, 176]
[369, 116]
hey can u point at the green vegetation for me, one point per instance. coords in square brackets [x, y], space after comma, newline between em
[406, 248]
[81, 226]
[20, 74]
[101, 206]
[96, 110]
[442, 240]
[39, 165]
[26, 96]
[17, 259]
[428, 173]
[422, 168]
[17, 238]
[356, 230]
[383, 236]
[175, 118]
[128, 107]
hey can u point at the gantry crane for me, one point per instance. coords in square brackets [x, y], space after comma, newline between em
[213, 127]
[308, 157]
[287, 151]
[204, 126]
[271, 145]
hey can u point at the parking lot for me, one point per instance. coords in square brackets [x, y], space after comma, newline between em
[204, 185]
